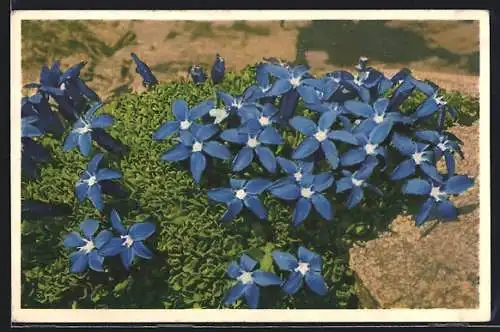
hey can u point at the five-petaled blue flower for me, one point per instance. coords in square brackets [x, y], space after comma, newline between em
[322, 136]
[356, 182]
[130, 242]
[307, 192]
[194, 146]
[185, 118]
[438, 194]
[81, 134]
[148, 78]
[234, 105]
[296, 170]
[265, 114]
[443, 143]
[433, 104]
[88, 252]
[248, 281]
[218, 69]
[255, 140]
[88, 184]
[242, 193]
[418, 156]
[39, 106]
[307, 267]
[197, 74]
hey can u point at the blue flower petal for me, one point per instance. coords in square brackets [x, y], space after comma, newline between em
[366, 169]
[85, 143]
[425, 211]
[102, 238]
[116, 222]
[217, 150]
[237, 183]
[252, 295]
[284, 260]
[458, 184]
[447, 210]
[127, 256]
[89, 227]
[306, 148]
[227, 99]
[166, 130]
[417, 187]
[205, 132]
[303, 125]
[73, 240]
[95, 196]
[270, 136]
[280, 87]
[293, 284]
[326, 120]
[323, 206]
[359, 108]
[266, 158]
[180, 109]
[308, 94]
[353, 157]
[431, 136]
[243, 159]
[403, 170]
[198, 163]
[428, 107]
[94, 163]
[247, 263]
[322, 181]
[81, 190]
[380, 132]
[141, 231]
[107, 174]
[344, 184]
[286, 191]
[263, 278]
[112, 248]
[316, 283]
[287, 165]
[79, 262]
[301, 211]
[233, 210]
[257, 186]
[380, 105]
[277, 71]
[95, 261]
[256, 206]
[235, 293]
[343, 136]
[177, 153]
[233, 136]
[71, 141]
[102, 121]
[201, 109]
[331, 153]
[233, 270]
[431, 171]
[404, 144]
[222, 195]
[450, 163]
[305, 255]
[141, 250]
[355, 196]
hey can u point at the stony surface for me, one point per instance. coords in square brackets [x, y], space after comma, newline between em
[435, 266]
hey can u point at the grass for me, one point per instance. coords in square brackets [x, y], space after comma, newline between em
[192, 249]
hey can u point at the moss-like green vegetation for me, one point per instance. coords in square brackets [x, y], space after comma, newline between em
[192, 249]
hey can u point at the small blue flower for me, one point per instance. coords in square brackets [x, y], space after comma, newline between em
[443, 143]
[404, 89]
[218, 69]
[433, 104]
[370, 146]
[28, 129]
[148, 79]
[418, 156]
[248, 281]
[32, 152]
[195, 147]
[88, 254]
[39, 106]
[307, 192]
[307, 268]
[266, 115]
[88, 184]
[320, 136]
[242, 193]
[74, 87]
[81, 134]
[254, 139]
[236, 105]
[130, 242]
[356, 182]
[185, 118]
[438, 194]
[295, 170]
[197, 74]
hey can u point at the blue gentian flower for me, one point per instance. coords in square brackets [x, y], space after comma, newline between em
[356, 183]
[195, 147]
[370, 145]
[39, 105]
[374, 115]
[320, 135]
[197, 74]
[28, 129]
[443, 143]
[399, 96]
[254, 139]
[49, 81]
[81, 134]
[248, 281]
[185, 118]
[148, 78]
[242, 193]
[418, 156]
[32, 152]
[88, 185]
[74, 87]
[433, 104]
[88, 254]
[218, 69]
[266, 115]
[438, 195]
[295, 170]
[130, 242]
[234, 105]
[263, 86]
[307, 192]
[307, 267]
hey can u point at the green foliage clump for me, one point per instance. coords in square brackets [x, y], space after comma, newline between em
[191, 248]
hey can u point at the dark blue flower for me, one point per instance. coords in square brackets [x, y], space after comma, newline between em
[438, 194]
[435, 103]
[255, 140]
[404, 89]
[307, 192]
[320, 136]
[248, 281]
[32, 152]
[418, 156]
[266, 115]
[74, 87]
[356, 183]
[195, 147]
[130, 242]
[295, 170]
[242, 193]
[185, 118]
[307, 268]
[236, 105]
[88, 184]
[148, 79]
[88, 254]
[197, 74]
[81, 134]
[28, 129]
[39, 106]
[218, 69]
[443, 143]
[49, 81]
[370, 145]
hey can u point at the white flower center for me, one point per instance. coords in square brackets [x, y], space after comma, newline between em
[357, 122]
[370, 148]
[197, 146]
[185, 124]
[302, 267]
[241, 194]
[298, 176]
[219, 114]
[127, 240]
[91, 181]
[437, 194]
[439, 100]
[295, 81]
[88, 247]
[357, 182]
[245, 278]
[321, 135]
[236, 103]
[252, 142]
[336, 79]
[84, 129]
[306, 192]
[378, 118]
[443, 146]
[62, 86]
[418, 157]
[264, 121]
[344, 90]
